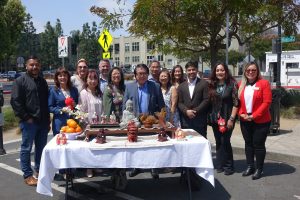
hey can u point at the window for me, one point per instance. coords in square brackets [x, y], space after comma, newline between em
[117, 61]
[149, 59]
[127, 47]
[135, 59]
[160, 58]
[135, 46]
[127, 59]
[292, 65]
[150, 46]
[170, 62]
[117, 48]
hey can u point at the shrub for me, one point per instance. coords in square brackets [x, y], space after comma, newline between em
[288, 113]
[10, 120]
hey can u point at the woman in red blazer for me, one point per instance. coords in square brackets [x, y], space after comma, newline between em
[255, 99]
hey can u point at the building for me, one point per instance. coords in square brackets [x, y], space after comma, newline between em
[289, 71]
[129, 51]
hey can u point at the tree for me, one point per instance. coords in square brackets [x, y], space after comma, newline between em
[28, 44]
[11, 25]
[49, 45]
[195, 26]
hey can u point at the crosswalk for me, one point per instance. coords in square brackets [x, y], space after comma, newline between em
[73, 193]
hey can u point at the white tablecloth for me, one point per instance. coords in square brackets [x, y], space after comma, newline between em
[194, 152]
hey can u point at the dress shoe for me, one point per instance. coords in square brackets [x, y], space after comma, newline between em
[257, 175]
[154, 174]
[228, 172]
[31, 181]
[248, 171]
[134, 172]
[220, 170]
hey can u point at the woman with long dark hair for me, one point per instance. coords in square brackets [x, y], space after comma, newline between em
[113, 93]
[223, 95]
[56, 101]
[177, 75]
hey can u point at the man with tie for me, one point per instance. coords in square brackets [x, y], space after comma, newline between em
[193, 101]
[146, 97]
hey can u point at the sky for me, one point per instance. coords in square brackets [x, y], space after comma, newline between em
[72, 13]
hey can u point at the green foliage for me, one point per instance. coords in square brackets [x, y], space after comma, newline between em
[10, 120]
[11, 24]
[288, 113]
[196, 26]
[288, 98]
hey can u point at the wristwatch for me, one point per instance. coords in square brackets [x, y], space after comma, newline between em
[231, 118]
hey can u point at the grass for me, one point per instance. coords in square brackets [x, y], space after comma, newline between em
[10, 120]
[290, 113]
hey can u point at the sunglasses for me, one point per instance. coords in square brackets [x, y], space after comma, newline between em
[82, 67]
[251, 70]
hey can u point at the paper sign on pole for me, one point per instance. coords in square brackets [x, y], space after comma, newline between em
[63, 47]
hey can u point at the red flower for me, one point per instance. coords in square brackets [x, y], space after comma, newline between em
[69, 101]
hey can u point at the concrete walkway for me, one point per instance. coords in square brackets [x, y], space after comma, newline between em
[283, 146]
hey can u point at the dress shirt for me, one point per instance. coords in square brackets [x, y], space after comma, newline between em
[248, 95]
[103, 84]
[191, 86]
[143, 98]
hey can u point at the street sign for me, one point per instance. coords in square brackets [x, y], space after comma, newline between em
[288, 39]
[105, 40]
[106, 55]
[63, 47]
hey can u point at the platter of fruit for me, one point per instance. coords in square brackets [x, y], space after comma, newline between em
[71, 130]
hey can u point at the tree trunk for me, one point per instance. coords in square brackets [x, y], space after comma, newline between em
[213, 55]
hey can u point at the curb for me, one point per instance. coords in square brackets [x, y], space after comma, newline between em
[274, 156]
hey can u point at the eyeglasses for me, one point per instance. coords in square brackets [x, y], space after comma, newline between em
[142, 74]
[82, 67]
[251, 70]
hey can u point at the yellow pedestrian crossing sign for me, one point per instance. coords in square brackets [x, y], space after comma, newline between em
[106, 55]
[105, 39]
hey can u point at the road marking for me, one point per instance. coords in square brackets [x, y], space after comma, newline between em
[53, 185]
[296, 196]
[96, 186]
[20, 139]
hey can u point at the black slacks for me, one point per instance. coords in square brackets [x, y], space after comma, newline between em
[224, 155]
[255, 136]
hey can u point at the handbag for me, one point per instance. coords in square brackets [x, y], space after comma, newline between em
[222, 125]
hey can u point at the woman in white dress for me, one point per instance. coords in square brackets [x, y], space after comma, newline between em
[79, 78]
[91, 100]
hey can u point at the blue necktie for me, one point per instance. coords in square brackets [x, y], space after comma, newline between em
[140, 99]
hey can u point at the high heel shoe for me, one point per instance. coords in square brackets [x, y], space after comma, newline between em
[250, 170]
[257, 175]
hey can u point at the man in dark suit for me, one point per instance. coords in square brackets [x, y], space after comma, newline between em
[193, 101]
[146, 97]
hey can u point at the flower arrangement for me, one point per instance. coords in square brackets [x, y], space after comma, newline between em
[76, 114]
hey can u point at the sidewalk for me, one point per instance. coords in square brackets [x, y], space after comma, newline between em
[283, 146]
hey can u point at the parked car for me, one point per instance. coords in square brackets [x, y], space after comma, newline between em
[11, 75]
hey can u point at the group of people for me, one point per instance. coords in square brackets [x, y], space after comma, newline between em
[190, 102]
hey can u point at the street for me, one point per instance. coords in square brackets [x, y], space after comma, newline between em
[280, 181]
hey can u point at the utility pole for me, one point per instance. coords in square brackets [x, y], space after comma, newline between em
[278, 81]
[227, 36]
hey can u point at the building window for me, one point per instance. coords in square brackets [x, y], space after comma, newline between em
[117, 61]
[292, 65]
[150, 46]
[127, 47]
[170, 62]
[149, 59]
[160, 57]
[135, 46]
[117, 48]
[127, 60]
[135, 59]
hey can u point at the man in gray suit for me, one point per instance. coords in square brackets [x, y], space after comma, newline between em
[146, 97]
[193, 101]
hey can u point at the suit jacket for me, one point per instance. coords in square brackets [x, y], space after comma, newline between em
[56, 101]
[155, 98]
[199, 102]
[262, 99]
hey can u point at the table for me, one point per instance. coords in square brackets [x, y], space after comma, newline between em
[195, 152]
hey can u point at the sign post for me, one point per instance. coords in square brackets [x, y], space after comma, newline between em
[63, 48]
[105, 40]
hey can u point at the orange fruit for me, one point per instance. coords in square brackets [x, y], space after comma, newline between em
[70, 130]
[72, 123]
[78, 129]
[64, 128]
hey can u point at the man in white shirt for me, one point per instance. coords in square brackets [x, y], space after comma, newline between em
[193, 101]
